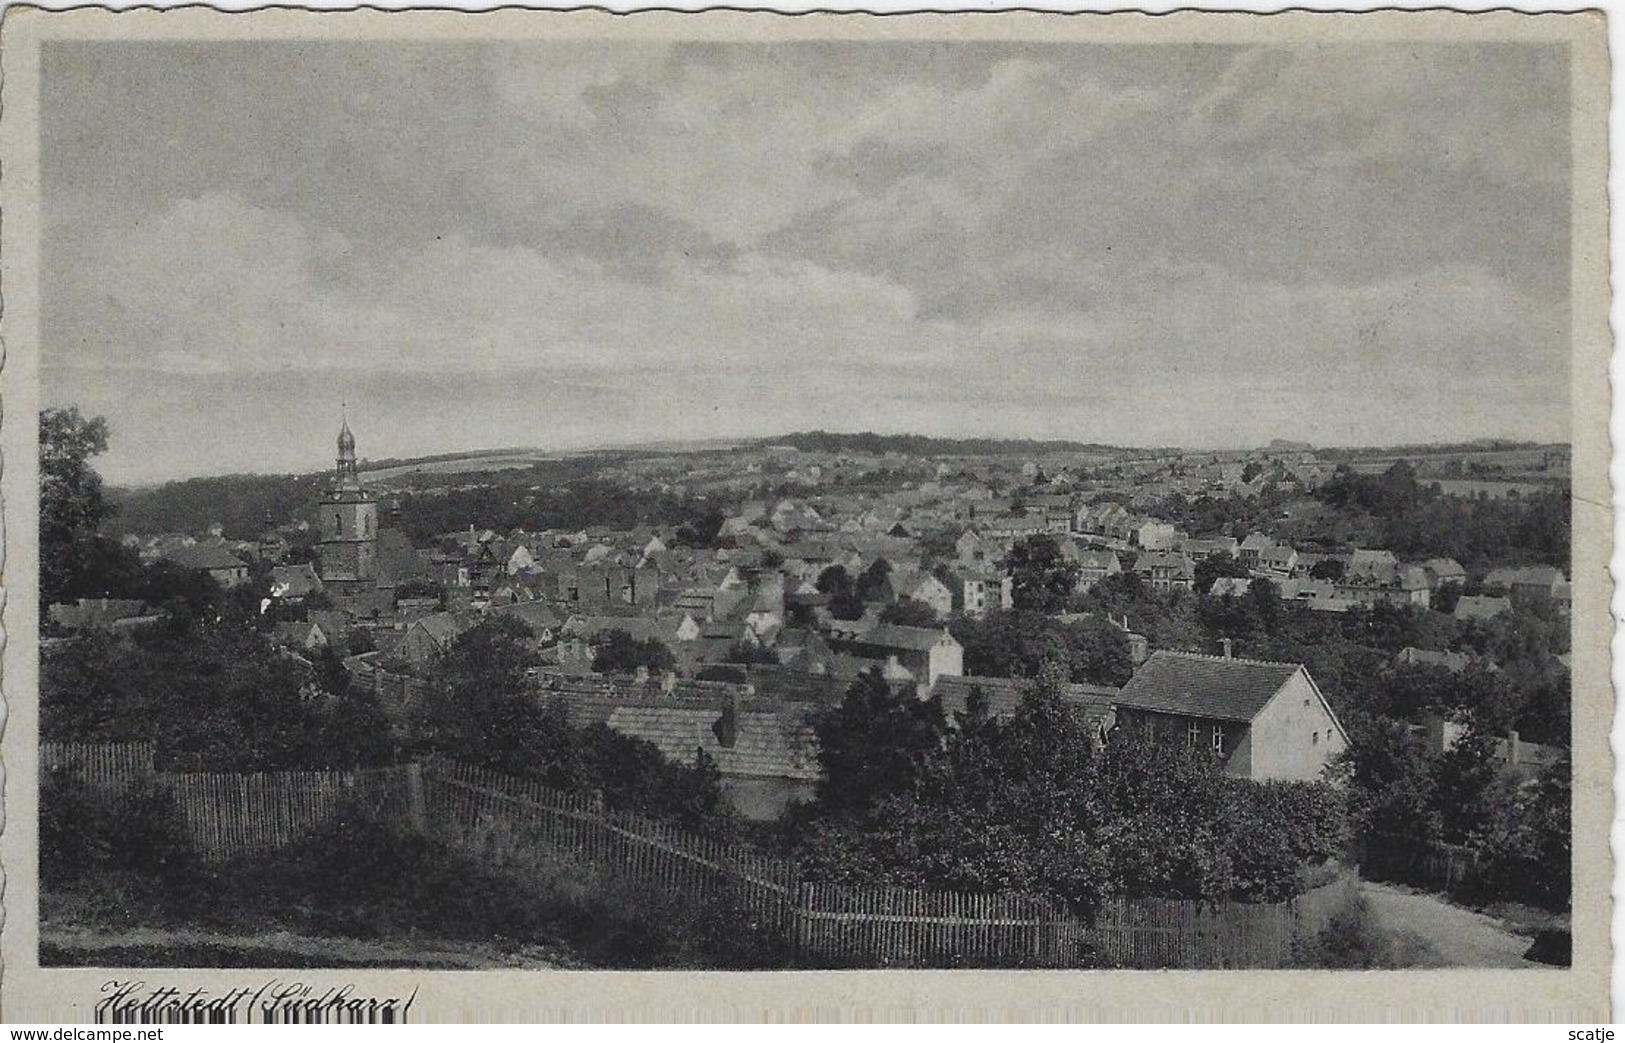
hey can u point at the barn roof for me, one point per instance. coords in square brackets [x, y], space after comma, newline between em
[766, 745]
[1205, 686]
[1003, 695]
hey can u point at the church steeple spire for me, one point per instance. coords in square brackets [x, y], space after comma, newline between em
[348, 476]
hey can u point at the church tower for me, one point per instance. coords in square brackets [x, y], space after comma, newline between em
[349, 526]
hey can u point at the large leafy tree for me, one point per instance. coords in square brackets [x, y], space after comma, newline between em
[72, 503]
[875, 743]
[1018, 644]
[872, 582]
[211, 699]
[836, 583]
[483, 710]
[618, 652]
[1027, 804]
[1042, 579]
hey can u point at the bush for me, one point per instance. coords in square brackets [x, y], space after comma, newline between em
[624, 925]
[1351, 940]
[360, 877]
[69, 843]
[81, 831]
[1354, 939]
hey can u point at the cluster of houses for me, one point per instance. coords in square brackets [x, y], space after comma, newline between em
[756, 637]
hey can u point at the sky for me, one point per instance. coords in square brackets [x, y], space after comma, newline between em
[559, 245]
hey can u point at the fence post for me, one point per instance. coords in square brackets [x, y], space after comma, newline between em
[414, 798]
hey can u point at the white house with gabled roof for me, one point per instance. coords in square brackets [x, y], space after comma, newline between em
[1262, 720]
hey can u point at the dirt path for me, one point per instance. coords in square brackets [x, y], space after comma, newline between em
[1457, 937]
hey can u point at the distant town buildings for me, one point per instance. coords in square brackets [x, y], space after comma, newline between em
[765, 625]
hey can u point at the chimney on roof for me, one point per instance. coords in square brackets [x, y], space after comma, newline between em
[726, 727]
[1229, 647]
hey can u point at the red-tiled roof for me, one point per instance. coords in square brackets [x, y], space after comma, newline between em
[1205, 686]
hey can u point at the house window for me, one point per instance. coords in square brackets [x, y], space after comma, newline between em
[1218, 740]
[1193, 734]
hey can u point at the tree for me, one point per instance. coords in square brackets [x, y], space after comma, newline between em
[874, 743]
[1263, 601]
[1328, 568]
[632, 774]
[1392, 785]
[72, 504]
[702, 529]
[618, 652]
[1042, 579]
[212, 699]
[836, 583]
[1018, 644]
[483, 710]
[1463, 781]
[910, 613]
[874, 584]
[1026, 803]
[1210, 569]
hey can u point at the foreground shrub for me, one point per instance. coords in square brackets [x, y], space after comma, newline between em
[83, 831]
[1355, 939]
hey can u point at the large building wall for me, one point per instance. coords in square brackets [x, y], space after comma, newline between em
[1147, 725]
[349, 518]
[349, 547]
[1294, 736]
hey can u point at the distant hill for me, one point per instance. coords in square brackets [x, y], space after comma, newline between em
[240, 503]
[924, 445]
[1481, 445]
[247, 505]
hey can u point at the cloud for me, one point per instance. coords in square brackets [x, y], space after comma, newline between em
[218, 285]
[1128, 244]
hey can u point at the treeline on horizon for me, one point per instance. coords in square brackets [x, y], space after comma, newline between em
[927, 445]
[247, 506]
[1485, 445]
[564, 492]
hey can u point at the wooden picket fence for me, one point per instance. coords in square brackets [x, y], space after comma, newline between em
[101, 767]
[1151, 932]
[519, 822]
[227, 816]
[512, 821]
[904, 927]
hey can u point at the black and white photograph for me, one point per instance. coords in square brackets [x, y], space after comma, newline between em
[803, 501]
